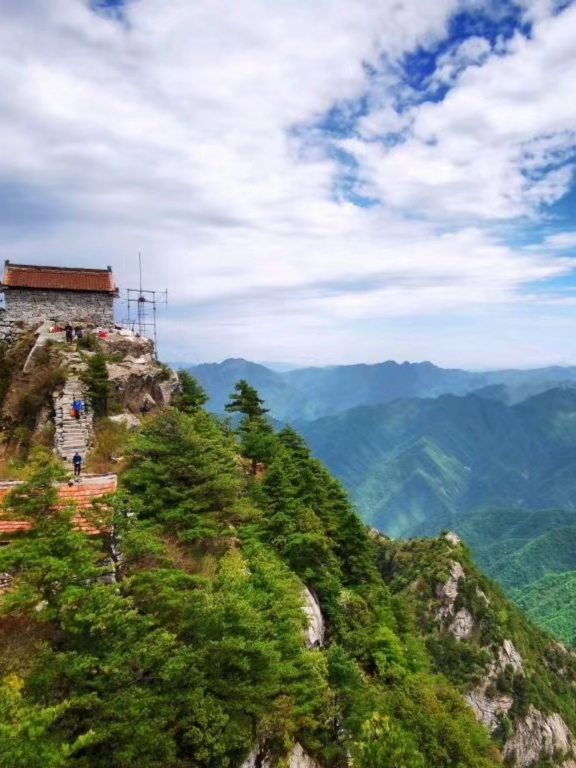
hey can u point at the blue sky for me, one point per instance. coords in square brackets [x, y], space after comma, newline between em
[319, 181]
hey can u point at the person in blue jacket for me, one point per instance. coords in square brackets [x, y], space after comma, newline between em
[77, 407]
[77, 464]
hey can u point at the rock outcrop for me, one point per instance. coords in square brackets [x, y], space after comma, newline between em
[488, 707]
[462, 622]
[261, 758]
[299, 758]
[128, 419]
[536, 735]
[315, 621]
[140, 384]
[508, 655]
[453, 538]
[489, 710]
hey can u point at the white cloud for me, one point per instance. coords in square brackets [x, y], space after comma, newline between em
[176, 136]
[561, 240]
[471, 155]
[474, 50]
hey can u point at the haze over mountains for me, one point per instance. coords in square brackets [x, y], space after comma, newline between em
[421, 449]
[310, 393]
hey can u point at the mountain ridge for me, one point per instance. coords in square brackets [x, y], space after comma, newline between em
[310, 392]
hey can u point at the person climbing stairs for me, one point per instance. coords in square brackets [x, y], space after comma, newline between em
[73, 429]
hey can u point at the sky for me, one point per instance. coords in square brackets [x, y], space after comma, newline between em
[318, 181]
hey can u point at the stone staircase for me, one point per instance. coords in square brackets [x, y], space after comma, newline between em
[72, 434]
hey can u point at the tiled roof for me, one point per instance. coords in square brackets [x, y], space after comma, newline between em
[12, 526]
[82, 494]
[58, 278]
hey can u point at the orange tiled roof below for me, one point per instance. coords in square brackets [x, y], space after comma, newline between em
[58, 278]
[82, 494]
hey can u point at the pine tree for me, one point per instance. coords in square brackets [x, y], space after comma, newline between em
[256, 433]
[245, 400]
[183, 472]
[98, 384]
[192, 395]
[52, 555]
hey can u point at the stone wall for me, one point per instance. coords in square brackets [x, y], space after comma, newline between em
[9, 329]
[35, 306]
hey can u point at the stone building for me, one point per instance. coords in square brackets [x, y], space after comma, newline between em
[34, 294]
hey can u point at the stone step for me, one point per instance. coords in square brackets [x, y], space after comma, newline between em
[72, 434]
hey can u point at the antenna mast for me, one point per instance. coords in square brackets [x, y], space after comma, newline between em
[142, 298]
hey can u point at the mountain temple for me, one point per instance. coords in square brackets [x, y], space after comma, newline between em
[35, 294]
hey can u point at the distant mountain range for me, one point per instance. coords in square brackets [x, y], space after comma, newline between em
[310, 393]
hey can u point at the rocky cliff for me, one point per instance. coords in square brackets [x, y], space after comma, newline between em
[41, 375]
[519, 682]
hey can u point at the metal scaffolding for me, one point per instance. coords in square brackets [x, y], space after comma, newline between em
[144, 299]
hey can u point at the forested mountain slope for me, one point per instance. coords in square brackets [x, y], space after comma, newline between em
[502, 476]
[191, 649]
[417, 466]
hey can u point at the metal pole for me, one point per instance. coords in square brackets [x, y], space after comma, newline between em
[155, 336]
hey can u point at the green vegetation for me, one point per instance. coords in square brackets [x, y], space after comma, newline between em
[108, 446]
[533, 556]
[257, 442]
[89, 342]
[26, 399]
[192, 396]
[551, 603]
[414, 570]
[487, 470]
[98, 388]
[196, 651]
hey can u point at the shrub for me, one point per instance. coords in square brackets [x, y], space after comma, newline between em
[89, 342]
[35, 392]
[110, 439]
[98, 386]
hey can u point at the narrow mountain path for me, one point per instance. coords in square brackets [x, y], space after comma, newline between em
[72, 434]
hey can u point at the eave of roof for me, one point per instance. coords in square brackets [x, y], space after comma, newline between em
[82, 495]
[35, 277]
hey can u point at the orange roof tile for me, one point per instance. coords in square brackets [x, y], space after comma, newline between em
[58, 278]
[82, 494]
[11, 526]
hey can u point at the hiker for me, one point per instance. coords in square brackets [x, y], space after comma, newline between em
[79, 332]
[77, 407]
[69, 333]
[77, 463]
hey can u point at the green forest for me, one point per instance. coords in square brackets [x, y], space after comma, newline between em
[176, 639]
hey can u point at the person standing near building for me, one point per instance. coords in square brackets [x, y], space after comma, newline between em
[77, 464]
[69, 332]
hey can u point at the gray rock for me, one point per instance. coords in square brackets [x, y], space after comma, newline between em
[315, 621]
[462, 625]
[537, 735]
[299, 758]
[131, 421]
[488, 710]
